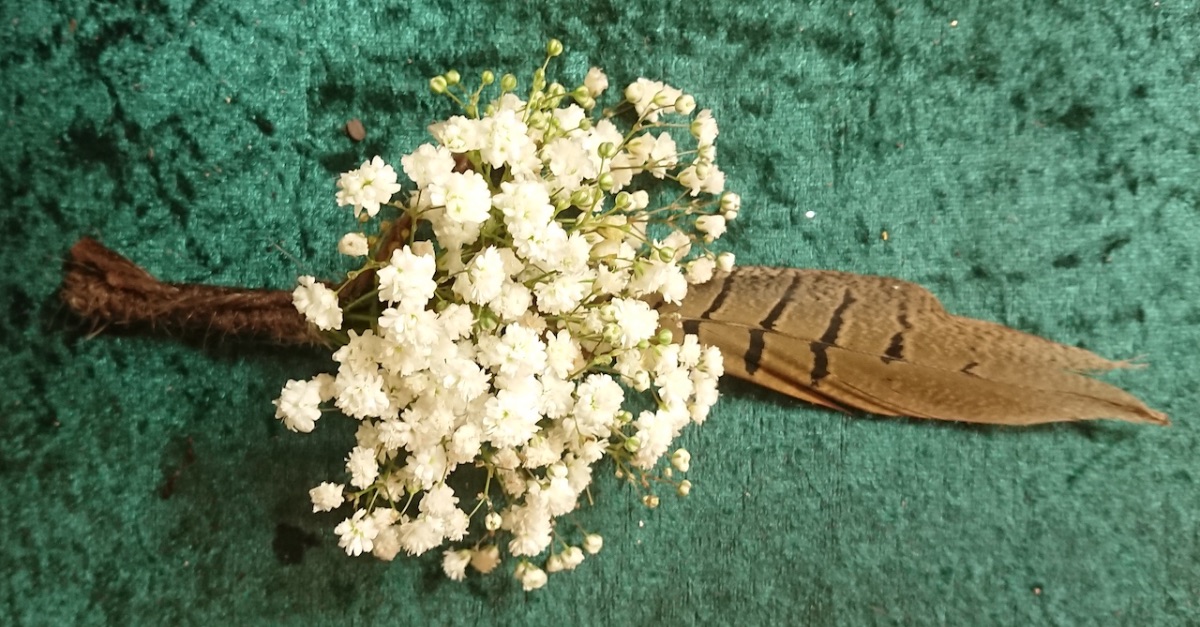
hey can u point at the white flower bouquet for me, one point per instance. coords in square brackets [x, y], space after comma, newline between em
[510, 339]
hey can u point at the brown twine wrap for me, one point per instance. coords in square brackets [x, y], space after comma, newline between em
[109, 290]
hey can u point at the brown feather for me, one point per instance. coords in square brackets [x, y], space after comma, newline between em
[888, 347]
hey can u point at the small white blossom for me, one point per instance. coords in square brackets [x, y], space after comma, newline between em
[317, 303]
[485, 559]
[353, 245]
[407, 279]
[326, 496]
[465, 196]
[357, 534]
[533, 578]
[428, 165]
[704, 128]
[596, 81]
[362, 467]
[454, 563]
[297, 405]
[368, 187]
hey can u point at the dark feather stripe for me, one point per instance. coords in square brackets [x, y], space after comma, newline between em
[789, 296]
[820, 368]
[895, 349]
[726, 286]
[754, 351]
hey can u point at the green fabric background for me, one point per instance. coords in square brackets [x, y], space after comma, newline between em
[1035, 163]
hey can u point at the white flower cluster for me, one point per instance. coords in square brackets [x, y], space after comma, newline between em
[506, 345]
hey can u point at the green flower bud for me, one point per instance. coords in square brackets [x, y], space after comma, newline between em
[622, 200]
[643, 345]
[581, 94]
[666, 254]
[585, 124]
[581, 197]
[508, 82]
[665, 336]
[487, 78]
[437, 84]
[554, 48]
[605, 182]
[452, 77]
[487, 320]
[633, 444]
[608, 150]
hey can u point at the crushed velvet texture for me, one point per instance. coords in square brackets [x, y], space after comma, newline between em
[1033, 163]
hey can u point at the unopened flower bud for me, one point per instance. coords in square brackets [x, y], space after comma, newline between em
[633, 444]
[681, 459]
[581, 197]
[508, 82]
[580, 94]
[554, 48]
[730, 202]
[685, 104]
[633, 93]
[554, 564]
[605, 182]
[650, 501]
[666, 254]
[725, 261]
[533, 578]
[592, 543]
[487, 78]
[665, 336]
[622, 200]
[452, 77]
[437, 84]
[684, 488]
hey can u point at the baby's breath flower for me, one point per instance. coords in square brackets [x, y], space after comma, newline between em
[503, 341]
[318, 304]
[353, 245]
[531, 577]
[485, 559]
[326, 496]
[357, 534]
[454, 563]
[368, 187]
[596, 82]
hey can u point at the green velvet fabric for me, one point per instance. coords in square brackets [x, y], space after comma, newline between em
[1033, 163]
